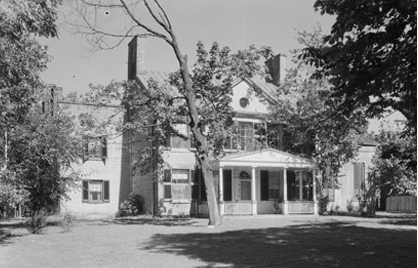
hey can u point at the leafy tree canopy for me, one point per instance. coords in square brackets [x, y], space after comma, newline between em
[395, 171]
[370, 56]
[23, 58]
[308, 111]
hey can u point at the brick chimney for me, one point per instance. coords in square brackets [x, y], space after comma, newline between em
[136, 57]
[276, 68]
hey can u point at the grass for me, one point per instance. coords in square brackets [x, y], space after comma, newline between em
[263, 241]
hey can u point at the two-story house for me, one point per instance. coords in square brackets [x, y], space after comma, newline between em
[254, 177]
[102, 169]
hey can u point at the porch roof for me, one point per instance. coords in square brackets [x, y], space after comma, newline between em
[265, 158]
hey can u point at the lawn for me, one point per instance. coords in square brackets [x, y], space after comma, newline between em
[261, 241]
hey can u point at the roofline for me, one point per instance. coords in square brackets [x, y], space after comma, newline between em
[270, 98]
[90, 104]
[228, 157]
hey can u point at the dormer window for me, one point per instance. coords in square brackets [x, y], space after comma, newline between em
[243, 102]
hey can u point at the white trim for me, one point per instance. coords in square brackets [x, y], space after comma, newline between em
[240, 119]
[241, 163]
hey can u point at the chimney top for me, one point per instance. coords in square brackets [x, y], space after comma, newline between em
[136, 57]
[276, 68]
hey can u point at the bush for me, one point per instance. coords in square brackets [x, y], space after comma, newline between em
[38, 221]
[323, 204]
[67, 222]
[132, 207]
[278, 206]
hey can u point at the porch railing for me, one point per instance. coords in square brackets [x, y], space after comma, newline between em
[296, 207]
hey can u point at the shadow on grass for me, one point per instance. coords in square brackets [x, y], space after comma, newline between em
[333, 244]
[411, 222]
[16, 227]
[10, 228]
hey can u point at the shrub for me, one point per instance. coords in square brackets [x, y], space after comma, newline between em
[38, 221]
[278, 206]
[323, 204]
[132, 207]
[67, 222]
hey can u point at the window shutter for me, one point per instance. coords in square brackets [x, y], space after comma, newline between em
[106, 191]
[215, 176]
[195, 185]
[85, 191]
[167, 191]
[104, 148]
[203, 196]
[358, 177]
[227, 190]
[264, 185]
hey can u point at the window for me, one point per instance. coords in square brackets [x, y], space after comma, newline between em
[247, 136]
[200, 188]
[359, 178]
[227, 182]
[243, 102]
[95, 148]
[270, 185]
[96, 191]
[307, 186]
[292, 186]
[194, 181]
[178, 142]
[264, 185]
[177, 184]
[299, 186]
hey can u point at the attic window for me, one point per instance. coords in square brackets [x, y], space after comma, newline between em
[243, 102]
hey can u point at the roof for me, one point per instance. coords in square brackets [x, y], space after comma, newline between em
[268, 90]
[265, 158]
[366, 141]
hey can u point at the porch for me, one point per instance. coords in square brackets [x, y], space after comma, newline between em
[265, 182]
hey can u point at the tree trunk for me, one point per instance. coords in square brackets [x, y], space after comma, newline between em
[214, 217]
[202, 152]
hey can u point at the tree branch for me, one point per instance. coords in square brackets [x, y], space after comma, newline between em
[143, 26]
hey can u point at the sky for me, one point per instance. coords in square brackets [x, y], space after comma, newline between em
[234, 23]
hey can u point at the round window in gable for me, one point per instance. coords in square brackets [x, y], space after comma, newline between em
[243, 102]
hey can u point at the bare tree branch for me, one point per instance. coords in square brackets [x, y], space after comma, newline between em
[87, 3]
[146, 28]
[160, 22]
[167, 21]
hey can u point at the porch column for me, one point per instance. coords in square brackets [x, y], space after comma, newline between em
[253, 197]
[221, 192]
[314, 192]
[285, 203]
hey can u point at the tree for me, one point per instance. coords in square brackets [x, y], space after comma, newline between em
[370, 56]
[37, 147]
[44, 147]
[395, 167]
[311, 123]
[216, 64]
[23, 58]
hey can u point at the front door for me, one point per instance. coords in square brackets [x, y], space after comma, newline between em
[245, 190]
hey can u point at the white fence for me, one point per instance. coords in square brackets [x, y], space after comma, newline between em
[401, 203]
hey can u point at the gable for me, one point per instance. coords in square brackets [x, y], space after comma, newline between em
[245, 101]
[266, 158]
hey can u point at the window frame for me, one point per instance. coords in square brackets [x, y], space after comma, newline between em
[105, 191]
[168, 173]
[359, 182]
[101, 146]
